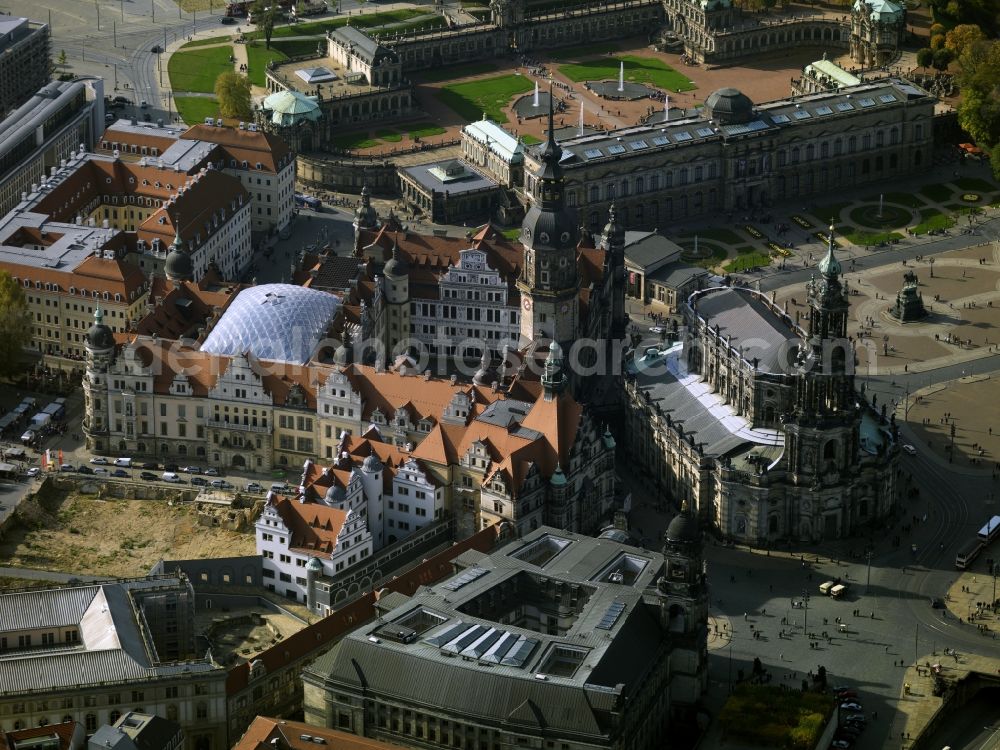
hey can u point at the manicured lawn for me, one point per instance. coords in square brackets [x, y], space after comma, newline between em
[638, 69]
[903, 199]
[194, 109]
[454, 72]
[297, 47]
[489, 95]
[932, 219]
[258, 56]
[975, 185]
[365, 21]
[424, 130]
[584, 51]
[353, 141]
[389, 136]
[421, 24]
[749, 260]
[938, 192]
[832, 211]
[204, 42]
[197, 69]
[529, 140]
[871, 238]
[744, 249]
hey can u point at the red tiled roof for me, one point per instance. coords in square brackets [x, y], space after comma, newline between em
[260, 734]
[314, 527]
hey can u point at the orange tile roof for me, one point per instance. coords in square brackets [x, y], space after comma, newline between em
[252, 146]
[183, 307]
[260, 734]
[93, 274]
[314, 527]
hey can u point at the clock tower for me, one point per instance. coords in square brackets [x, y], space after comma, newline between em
[549, 283]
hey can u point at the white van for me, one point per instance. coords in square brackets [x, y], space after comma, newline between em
[838, 590]
[824, 588]
[170, 476]
[125, 463]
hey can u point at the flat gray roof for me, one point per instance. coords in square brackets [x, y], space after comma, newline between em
[608, 644]
[472, 182]
[770, 117]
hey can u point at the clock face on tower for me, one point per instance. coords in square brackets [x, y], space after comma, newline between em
[527, 303]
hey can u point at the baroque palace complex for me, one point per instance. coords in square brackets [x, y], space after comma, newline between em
[322, 374]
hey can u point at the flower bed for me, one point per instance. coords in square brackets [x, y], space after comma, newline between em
[753, 231]
[971, 198]
[802, 222]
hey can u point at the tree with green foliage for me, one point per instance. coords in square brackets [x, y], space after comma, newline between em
[925, 57]
[979, 108]
[937, 42]
[233, 92]
[943, 58]
[995, 161]
[962, 36]
[267, 24]
[62, 57]
[15, 323]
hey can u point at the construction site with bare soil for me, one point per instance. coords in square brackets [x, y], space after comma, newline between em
[63, 530]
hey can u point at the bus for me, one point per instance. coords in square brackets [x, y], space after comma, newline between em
[989, 532]
[308, 201]
[967, 554]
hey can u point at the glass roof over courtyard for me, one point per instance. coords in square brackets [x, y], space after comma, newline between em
[279, 322]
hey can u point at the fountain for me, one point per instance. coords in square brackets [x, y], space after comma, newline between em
[666, 108]
[621, 77]
[581, 118]
[535, 102]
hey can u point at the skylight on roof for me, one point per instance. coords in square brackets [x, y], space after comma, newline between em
[705, 132]
[824, 110]
[844, 106]
[611, 616]
[464, 579]
[866, 102]
[887, 98]
[801, 114]
[593, 153]
[781, 119]
[682, 136]
[636, 145]
[616, 148]
[519, 654]
[661, 140]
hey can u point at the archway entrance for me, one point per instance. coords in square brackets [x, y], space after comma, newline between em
[239, 460]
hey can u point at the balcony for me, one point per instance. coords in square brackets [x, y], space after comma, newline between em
[222, 425]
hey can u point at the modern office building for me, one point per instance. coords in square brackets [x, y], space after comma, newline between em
[25, 60]
[38, 137]
[556, 638]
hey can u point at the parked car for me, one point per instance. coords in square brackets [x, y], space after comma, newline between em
[845, 694]
[227, 20]
[191, 469]
[122, 100]
[67, 467]
[148, 476]
[170, 476]
[84, 469]
[937, 603]
[170, 467]
[841, 744]
[856, 719]
[910, 450]
[254, 487]
[221, 484]
[211, 472]
[123, 462]
[199, 481]
[851, 707]
[657, 330]
[119, 473]
[98, 470]
[99, 461]
[34, 471]
[150, 465]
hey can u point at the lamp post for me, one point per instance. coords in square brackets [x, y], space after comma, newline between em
[732, 632]
[868, 581]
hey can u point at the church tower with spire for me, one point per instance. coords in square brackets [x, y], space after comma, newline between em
[549, 281]
[822, 432]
